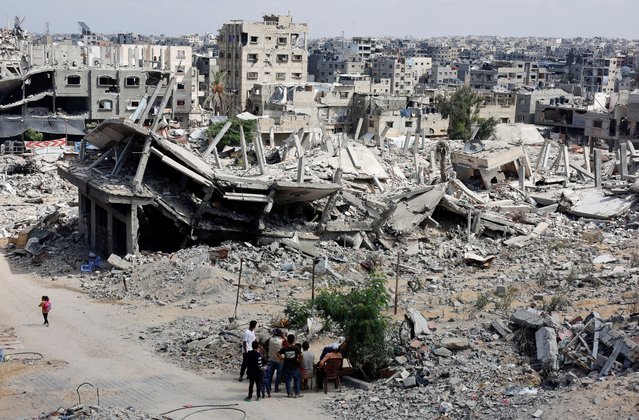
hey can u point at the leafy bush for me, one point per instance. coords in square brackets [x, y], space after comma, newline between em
[297, 312]
[33, 135]
[483, 299]
[232, 136]
[359, 313]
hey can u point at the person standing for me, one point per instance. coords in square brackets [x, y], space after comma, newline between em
[247, 343]
[254, 371]
[291, 355]
[308, 359]
[45, 304]
[275, 344]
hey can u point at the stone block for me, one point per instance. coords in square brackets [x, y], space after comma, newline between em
[547, 351]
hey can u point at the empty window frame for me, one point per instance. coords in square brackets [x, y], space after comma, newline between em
[251, 75]
[106, 81]
[280, 76]
[73, 80]
[105, 105]
[132, 81]
[282, 58]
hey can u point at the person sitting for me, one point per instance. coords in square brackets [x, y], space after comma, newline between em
[335, 353]
[308, 359]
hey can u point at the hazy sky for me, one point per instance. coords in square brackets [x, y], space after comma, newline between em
[419, 18]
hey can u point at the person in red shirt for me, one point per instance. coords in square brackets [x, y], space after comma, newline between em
[45, 304]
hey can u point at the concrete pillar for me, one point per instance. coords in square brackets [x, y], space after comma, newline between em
[132, 226]
[271, 137]
[623, 161]
[109, 232]
[300, 168]
[93, 224]
[597, 168]
[587, 158]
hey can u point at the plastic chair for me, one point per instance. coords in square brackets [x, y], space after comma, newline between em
[309, 375]
[331, 372]
[93, 263]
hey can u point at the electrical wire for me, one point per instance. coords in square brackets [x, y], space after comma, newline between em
[198, 406]
[217, 408]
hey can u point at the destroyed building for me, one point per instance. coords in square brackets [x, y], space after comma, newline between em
[270, 51]
[142, 181]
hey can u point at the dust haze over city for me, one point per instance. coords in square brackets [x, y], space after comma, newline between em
[391, 209]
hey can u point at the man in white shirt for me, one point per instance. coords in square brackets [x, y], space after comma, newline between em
[247, 342]
[308, 360]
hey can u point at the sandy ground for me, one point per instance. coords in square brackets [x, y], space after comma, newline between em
[97, 342]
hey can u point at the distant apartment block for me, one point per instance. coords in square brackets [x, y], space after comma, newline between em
[271, 51]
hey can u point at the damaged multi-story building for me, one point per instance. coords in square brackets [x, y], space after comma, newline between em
[56, 88]
[271, 51]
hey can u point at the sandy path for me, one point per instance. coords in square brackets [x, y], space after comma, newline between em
[95, 342]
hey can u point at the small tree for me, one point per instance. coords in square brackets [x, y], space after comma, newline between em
[462, 110]
[32, 135]
[359, 313]
[232, 135]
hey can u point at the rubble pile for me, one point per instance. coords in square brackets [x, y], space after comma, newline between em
[496, 370]
[198, 344]
[96, 412]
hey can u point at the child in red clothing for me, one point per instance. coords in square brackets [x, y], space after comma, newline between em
[46, 307]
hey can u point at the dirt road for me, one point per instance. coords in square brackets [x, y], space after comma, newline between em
[90, 341]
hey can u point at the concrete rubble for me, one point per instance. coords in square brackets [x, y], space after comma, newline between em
[491, 263]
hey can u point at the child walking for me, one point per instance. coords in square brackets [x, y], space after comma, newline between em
[46, 307]
[254, 371]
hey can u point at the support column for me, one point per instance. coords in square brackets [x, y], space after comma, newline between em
[93, 228]
[597, 168]
[109, 232]
[623, 161]
[132, 226]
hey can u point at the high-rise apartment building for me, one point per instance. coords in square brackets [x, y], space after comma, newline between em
[271, 51]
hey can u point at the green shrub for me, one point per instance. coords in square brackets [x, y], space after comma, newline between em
[232, 136]
[33, 135]
[359, 313]
[297, 312]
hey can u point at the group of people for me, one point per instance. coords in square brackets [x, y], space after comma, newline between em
[279, 358]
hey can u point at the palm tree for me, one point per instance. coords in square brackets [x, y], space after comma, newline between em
[217, 92]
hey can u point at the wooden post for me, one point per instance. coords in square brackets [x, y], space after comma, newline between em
[598, 168]
[396, 282]
[237, 298]
[126, 289]
[243, 145]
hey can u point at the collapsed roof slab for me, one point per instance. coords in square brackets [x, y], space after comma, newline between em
[113, 131]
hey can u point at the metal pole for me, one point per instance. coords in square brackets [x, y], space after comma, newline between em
[396, 282]
[237, 298]
[313, 284]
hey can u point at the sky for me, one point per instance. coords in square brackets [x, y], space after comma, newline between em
[326, 18]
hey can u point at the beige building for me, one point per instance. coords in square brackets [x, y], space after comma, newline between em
[398, 70]
[271, 51]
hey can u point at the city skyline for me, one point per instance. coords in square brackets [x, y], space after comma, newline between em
[520, 18]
